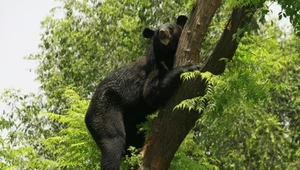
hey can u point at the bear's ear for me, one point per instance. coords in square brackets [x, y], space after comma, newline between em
[148, 33]
[181, 20]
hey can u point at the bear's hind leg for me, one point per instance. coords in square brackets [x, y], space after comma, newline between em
[112, 150]
[112, 142]
[108, 131]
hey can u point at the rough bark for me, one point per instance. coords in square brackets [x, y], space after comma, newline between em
[171, 126]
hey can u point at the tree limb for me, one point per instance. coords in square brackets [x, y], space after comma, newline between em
[227, 45]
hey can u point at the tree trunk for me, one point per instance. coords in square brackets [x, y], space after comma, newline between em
[171, 126]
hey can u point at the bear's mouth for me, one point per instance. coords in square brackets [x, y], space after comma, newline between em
[164, 36]
[165, 41]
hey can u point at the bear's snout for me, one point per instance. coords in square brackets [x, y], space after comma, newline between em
[164, 36]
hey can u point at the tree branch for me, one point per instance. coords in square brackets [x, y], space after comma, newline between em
[227, 45]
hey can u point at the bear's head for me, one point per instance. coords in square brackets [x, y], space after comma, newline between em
[164, 41]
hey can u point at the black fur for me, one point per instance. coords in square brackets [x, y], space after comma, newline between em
[126, 96]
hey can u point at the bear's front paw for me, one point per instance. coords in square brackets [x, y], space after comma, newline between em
[194, 67]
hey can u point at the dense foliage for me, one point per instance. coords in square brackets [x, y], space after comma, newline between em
[247, 124]
[251, 112]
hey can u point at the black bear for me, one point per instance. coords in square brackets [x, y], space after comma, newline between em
[127, 95]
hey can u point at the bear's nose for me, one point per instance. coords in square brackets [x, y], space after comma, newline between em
[164, 36]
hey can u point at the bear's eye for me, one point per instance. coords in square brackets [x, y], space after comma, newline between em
[171, 30]
[157, 32]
